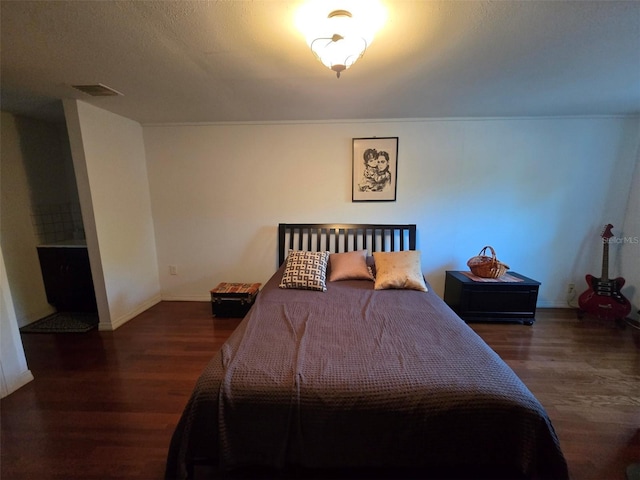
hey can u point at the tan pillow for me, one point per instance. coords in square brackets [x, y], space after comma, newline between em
[349, 266]
[399, 270]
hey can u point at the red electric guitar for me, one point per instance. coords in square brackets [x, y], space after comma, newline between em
[603, 297]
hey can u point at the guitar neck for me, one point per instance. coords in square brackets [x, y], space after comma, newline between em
[605, 260]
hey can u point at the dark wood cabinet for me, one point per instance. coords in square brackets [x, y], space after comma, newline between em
[67, 278]
[476, 301]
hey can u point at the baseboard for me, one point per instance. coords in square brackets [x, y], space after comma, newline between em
[553, 305]
[186, 298]
[118, 322]
[18, 382]
[207, 298]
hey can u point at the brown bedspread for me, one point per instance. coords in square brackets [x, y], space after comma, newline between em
[356, 378]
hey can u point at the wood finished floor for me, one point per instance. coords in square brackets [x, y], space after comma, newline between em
[104, 404]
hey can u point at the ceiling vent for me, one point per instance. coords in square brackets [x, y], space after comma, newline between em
[98, 90]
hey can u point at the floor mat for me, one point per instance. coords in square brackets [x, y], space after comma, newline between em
[63, 322]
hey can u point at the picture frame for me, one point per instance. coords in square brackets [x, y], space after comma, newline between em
[375, 168]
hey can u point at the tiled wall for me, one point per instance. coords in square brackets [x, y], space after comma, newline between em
[57, 222]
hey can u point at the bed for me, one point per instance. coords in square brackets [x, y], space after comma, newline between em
[356, 381]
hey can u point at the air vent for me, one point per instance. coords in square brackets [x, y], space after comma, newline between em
[98, 90]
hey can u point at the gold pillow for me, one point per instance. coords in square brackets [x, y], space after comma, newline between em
[349, 266]
[399, 270]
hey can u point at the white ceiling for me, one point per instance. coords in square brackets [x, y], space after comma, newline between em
[225, 61]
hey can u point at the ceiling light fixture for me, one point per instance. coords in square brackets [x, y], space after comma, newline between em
[340, 31]
[344, 47]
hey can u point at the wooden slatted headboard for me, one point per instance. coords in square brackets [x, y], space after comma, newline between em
[344, 237]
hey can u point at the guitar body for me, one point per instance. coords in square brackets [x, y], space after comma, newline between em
[603, 298]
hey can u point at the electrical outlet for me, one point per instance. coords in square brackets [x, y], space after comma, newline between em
[173, 270]
[571, 288]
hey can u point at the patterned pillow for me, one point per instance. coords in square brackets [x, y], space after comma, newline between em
[399, 270]
[305, 271]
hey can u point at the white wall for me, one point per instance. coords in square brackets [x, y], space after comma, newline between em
[629, 247]
[14, 372]
[26, 145]
[537, 189]
[109, 159]
[13, 365]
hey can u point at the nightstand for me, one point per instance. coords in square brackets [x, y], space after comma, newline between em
[492, 301]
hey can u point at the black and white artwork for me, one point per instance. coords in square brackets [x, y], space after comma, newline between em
[375, 167]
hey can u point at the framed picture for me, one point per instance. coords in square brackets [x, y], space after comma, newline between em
[375, 167]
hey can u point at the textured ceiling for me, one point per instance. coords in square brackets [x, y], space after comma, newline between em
[221, 61]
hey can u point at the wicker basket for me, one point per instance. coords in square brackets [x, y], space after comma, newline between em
[487, 267]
